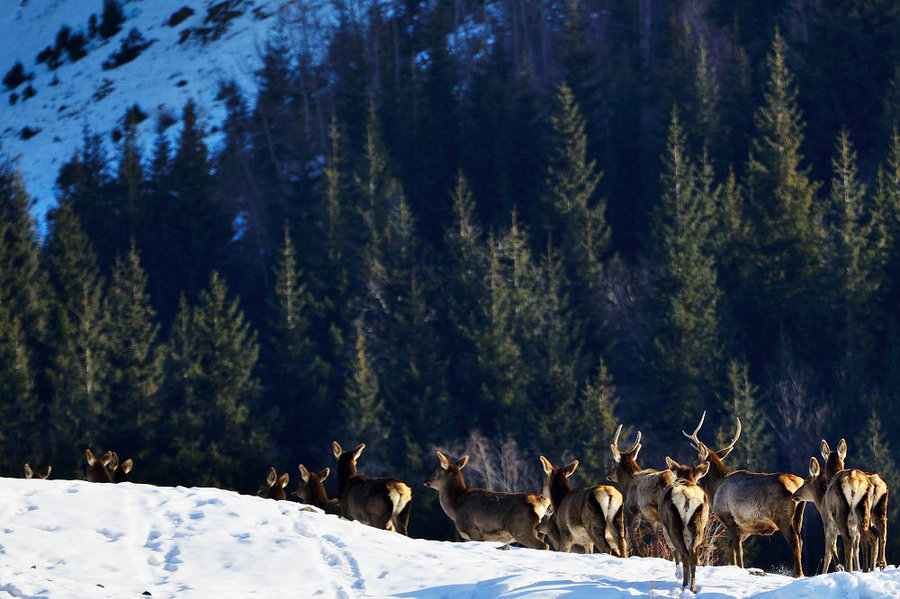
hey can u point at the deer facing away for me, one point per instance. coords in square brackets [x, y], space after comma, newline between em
[586, 516]
[274, 486]
[41, 474]
[312, 492]
[683, 513]
[380, 502]
[750, 503]
[97, 471]
[482, 515]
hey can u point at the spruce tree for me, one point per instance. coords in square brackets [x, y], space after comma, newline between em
[217, 436]
[79, 369]
[687, 341]
[135, 360]
[296, 374]
[362, 408]
[755, 451]
[597, 415]
[132, 212]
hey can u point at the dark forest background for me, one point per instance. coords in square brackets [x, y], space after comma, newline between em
[501, 227]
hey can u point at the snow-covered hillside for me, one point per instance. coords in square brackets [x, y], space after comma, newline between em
[187, 59]
[64, 539]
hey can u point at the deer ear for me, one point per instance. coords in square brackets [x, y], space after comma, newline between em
[324, 473]
[813, 467]
[336, 448]
[49, 468]
[842, 448]
[703, 452]
[824, 449]
[725, 453]
[358, 450]
[701, 470]
[304, 473]
[461, 463]
[548, 467]
[106, 459]
[28, 472]
[672, 464]
[445, 461]
[127, 465]
[284, 479]
[89, 456]
[570, 469]
[270, 479]
[113, 461]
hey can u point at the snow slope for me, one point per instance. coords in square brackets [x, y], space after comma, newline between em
[160, 80]
[65, 539]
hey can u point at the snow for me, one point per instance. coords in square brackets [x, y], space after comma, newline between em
[161, 80]
[67, 538]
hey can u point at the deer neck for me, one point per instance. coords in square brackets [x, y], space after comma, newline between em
[819, 488]
[318, 496]
[451, 493]
[559, 488]
[345, 471]
[717, 473]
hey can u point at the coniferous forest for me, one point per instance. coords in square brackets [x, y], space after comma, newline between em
[503, 226]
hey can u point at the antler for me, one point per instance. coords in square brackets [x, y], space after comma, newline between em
[614, 446]
[737, 434]
[696, 443]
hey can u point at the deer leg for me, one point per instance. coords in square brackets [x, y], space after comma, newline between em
[619, 523]
[790, 530]
[401, 520]
[634, 531]
[830, 550]
[529, 538]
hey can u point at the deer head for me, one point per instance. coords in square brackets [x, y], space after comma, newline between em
[556, 481]
[623, 460]
[833, 460]
[690, 474]
[814, 485]
[703, 450]
[311, 490]
[120, 471]
[42, 474]
[97, 467]
[274, 487]
[449, 470]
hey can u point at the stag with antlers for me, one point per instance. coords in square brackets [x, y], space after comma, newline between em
[750, 503]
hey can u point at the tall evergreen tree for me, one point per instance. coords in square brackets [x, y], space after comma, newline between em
[755, 450]
[79, 371]
[135, 360]
[217, 435]
[362, 408]
[597, 415]
[688, 343]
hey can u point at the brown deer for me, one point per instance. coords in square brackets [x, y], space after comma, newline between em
[586, 516]
[274, 486]
[97, 471]
[844, 504]
[641, 488]
[750, 503]
[311, 491]
[874, 539]
[41, 474]
[379, 502]
[683, 513]
[120, 471]
[482, 515]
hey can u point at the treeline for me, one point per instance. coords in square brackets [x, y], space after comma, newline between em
[530, 222]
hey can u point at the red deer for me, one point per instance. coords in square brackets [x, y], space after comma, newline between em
[42, 474]
[844, 504]
[482, 515]
[751, 503]
[379, 502]
[311, 491]
[274, 487]
[97, 471]
[874, 539]
[120, 471]
[640, 487]
[683, 513]
[585, 516]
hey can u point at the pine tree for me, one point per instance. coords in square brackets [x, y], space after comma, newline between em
[217, 437]
[132, 211]
[787, 214]
[296, 374]
[687, 343]
[23, 323]
[362, 406]
[135, 360]
[596, 412]
[79, 371]
[705, 97]
[755, 451]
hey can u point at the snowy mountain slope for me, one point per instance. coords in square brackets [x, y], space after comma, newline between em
[64, 538]
[178, 65]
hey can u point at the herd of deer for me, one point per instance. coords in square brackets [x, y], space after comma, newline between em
[675, 502]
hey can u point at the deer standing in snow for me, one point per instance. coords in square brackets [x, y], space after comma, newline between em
[683, 513]
[482, 515]
[380, 502]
